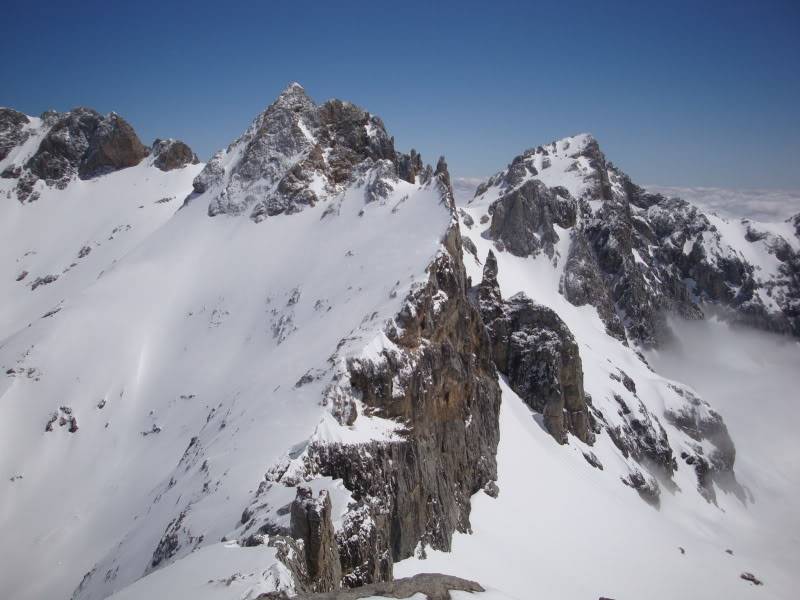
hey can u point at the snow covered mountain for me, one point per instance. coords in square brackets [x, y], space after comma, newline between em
[301, 367]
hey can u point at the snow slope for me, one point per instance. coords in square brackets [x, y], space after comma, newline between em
[565, 530]
[176, 350]
[561, 530]
[157, 362]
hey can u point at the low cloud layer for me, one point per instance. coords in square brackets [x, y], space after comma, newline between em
[464, 188]
[749, 377]
[756, 204]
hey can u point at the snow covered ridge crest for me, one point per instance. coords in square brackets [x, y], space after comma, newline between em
[638, 256]
[297, 153]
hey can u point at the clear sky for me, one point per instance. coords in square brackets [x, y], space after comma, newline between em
[678, 93]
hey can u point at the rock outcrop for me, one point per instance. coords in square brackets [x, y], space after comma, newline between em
[442, 385]
[296, 153]
[85, 143]
[438, 380]
[12, 130]
[535, 350]
[172, 154]
[713, 454]
[311, 523]
[79, 143]
[523, 219]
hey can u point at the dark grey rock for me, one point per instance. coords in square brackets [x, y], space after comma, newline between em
[12, 132]
[583, 283]
[535, 350]
[523, 219]
[311, 522]
[172, 154]
[85, 143]
[751, 578]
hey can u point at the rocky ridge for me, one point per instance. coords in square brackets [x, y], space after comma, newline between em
[565, 206]
[436, 377]
[636, 256]
[80, 143]
[297, 152]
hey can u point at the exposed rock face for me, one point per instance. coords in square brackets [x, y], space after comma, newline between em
[311, 523]
[172, 154]
[523, 219]
[444, 387]
[12, 130]
[79, 143]
[583, 283]
[641, 436]
[714, 453]
[636, 256]
[297, 152]
[434, 586]
[83, 142]
[438, 380]
[533, 347]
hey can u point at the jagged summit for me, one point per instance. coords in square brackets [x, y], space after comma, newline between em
[636, 256]
[574, 163]
[297, 153]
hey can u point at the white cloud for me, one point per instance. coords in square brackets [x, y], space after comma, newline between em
[464, 187]
[756, 204]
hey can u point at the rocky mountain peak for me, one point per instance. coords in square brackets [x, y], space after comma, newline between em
[634, 255]
[573, 164]
[297, 153]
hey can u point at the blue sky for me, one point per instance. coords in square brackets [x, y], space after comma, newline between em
[678, 93]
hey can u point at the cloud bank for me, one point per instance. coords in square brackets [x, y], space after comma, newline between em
[757, 204]
[464, 187]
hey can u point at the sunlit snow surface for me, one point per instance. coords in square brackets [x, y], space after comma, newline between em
[177, 343]
[177, 348]
[561, 529]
